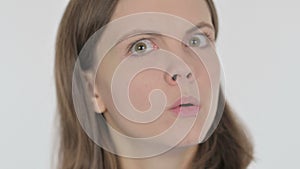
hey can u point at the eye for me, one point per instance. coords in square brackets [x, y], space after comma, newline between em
[198, 40]
[142, 46]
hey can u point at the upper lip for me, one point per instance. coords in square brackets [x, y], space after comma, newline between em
[185, 100]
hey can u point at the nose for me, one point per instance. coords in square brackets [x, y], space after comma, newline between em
[178, 75]
[180, 70]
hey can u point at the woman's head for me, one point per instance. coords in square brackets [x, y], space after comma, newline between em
[81, 20]
[153, 81]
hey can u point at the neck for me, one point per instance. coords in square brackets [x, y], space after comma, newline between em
[177, 158]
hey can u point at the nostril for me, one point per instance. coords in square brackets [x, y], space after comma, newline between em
[174, 77]
[189, 75]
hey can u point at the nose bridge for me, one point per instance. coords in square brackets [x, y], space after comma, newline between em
[179, 49]
[175, 46]
[182, 69]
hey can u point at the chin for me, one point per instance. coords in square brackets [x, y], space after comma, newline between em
[188, 142]
[191, 139]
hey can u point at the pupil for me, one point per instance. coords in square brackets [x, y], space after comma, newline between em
[194, 41]
[140, 47]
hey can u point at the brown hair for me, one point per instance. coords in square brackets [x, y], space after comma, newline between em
[228, 148]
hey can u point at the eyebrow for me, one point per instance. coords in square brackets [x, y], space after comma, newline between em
[137, 32]
[199, 26]
[151, 32]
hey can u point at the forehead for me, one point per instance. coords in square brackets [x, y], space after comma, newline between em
[194, 11]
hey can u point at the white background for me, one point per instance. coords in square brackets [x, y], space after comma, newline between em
[258, 44]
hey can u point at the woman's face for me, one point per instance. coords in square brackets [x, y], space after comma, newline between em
[144, 82]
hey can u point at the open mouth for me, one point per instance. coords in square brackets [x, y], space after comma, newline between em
[186, 107]
[183, 105]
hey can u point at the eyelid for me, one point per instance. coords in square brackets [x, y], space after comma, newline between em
[134, 42]
[207, 35]
[129, 47]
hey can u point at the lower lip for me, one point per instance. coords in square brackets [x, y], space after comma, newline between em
[188, 111]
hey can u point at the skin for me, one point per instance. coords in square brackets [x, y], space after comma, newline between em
[143, 83]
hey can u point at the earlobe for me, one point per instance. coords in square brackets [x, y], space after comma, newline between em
[99, 106]
[94, 95]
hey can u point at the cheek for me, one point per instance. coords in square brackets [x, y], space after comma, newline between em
[141, 87]
[204, 86]
[204, 82]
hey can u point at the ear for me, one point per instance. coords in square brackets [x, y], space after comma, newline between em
[93, 92]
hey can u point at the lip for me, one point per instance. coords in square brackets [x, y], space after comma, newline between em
[191, 109]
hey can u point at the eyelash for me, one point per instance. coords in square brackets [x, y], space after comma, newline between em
[130, 46]
[209, 36]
